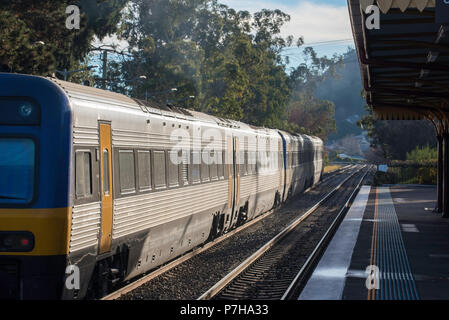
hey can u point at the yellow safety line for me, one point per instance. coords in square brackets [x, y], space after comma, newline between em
[372, 291]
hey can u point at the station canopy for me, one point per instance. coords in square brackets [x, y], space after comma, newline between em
[405, 62]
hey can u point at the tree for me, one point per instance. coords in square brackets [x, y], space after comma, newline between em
[229, 60]
[343, 90]
[34, 38]
[397, 137]
[309, 114]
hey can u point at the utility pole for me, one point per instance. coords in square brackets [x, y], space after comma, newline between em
[105, 68]
[109, 48]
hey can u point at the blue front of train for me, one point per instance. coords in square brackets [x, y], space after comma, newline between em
[35, 206]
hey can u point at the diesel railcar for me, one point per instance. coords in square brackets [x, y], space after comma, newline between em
[97, 188]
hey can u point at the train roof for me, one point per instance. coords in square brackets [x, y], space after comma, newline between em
[74, 90]
[82, 92]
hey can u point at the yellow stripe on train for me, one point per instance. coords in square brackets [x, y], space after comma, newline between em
[50, 227]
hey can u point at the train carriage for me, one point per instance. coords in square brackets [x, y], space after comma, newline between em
[115, 186]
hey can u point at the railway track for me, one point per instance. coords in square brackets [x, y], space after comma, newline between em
[126, 292]
[272, 272]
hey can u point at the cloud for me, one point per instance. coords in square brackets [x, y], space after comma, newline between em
[315, 22]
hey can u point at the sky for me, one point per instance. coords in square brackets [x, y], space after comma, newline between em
[317, 21]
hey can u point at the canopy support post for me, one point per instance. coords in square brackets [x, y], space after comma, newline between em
[439, 207]
[445, 175]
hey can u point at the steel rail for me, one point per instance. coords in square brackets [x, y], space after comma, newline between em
[164, 268]
[304, 272]
[219, 286]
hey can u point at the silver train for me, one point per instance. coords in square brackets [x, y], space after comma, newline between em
[141, 184]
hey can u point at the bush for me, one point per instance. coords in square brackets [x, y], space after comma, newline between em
[423, 154]
[381, 178]
[427, 175]
[412, 173]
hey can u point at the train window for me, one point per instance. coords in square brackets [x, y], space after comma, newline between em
[127, 171]
[268, 159]
[252, 161]
[159, 170]
[220, 165]
[106, 171]
[258, 161]
[144, 164]
[225, 164]
[204, 169]
[173, 169]
[185, 167]
[244, 166]
[213, 166]
[269, 162]
[280, 164]
[196, 160]
[83, 174]
[17, 169]
[247, 165]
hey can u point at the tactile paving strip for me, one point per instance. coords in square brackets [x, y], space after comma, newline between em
[396, 281]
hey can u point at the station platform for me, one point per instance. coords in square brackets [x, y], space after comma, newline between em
[390, 246]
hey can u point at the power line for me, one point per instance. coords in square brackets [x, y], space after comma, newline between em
[319, 43]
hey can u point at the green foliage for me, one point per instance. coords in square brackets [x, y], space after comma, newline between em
[422, 170]
[229, 60]
[35, 40]
[410, 175]
[381, 178]
[308, 113]
[422, 154]
[343, 89]
[397, 137]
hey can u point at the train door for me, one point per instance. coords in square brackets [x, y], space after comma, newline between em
[106, 187]
[236, 180]
[284, 166]
[280, 168]
[229, 164]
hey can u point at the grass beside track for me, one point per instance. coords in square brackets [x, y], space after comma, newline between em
[332, 167]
